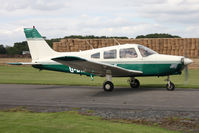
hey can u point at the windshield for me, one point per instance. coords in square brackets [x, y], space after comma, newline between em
[144, 51]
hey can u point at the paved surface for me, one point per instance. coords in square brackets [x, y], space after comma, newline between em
[95, 97]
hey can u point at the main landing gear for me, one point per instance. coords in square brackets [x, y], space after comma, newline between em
[134, 83]
[170, 86]
[108, 85]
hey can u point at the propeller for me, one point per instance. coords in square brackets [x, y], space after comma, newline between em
[186, 62]
[186, 74]
[186, 71]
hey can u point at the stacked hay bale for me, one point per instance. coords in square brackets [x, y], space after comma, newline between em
[172, 46]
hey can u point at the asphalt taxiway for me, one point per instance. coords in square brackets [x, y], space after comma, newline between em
[95, 97]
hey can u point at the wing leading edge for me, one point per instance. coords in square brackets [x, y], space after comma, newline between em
[23, 63]
[97, 68]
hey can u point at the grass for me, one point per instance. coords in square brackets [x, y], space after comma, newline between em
[24, 121]
[67, 122]
[29, 75]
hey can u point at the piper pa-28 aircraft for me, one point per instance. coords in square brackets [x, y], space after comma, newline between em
[128, 60]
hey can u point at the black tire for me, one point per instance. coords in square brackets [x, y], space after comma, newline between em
[108, 86]
[135, 83]
[171, 87]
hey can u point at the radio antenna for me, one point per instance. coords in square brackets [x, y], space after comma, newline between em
[116, 41]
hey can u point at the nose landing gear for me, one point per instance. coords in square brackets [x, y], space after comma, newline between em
[134, 83]
[170, 86]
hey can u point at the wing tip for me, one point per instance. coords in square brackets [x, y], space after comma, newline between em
[15, 63]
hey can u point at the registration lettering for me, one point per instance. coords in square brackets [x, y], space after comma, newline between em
[73, 70]
[173, 66]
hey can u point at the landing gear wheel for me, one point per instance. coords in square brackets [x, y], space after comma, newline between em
[135, 83]
[170, 86]
[108, 86]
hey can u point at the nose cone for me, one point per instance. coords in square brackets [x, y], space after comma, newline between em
[187, 61]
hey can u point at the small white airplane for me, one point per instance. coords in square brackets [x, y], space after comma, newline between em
[128, 60]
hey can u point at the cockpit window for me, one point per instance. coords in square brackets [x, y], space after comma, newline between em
[96, 55]
[110, 54]
[144, 51]
[128, 53]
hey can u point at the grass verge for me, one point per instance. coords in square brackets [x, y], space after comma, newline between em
[29, 75]
[72, 122]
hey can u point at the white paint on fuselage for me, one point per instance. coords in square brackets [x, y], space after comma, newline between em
[155, 58]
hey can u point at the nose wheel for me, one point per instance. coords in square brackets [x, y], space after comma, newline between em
[170, 86]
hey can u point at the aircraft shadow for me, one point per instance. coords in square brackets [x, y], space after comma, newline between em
[48, 87]
[125, 91]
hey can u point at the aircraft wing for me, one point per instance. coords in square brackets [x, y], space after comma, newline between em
[97, 68]
[23, 63]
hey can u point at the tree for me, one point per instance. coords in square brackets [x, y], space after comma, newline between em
[10, 50]
[157, 35]
[2, 49]
[19, 47]
[93, 37]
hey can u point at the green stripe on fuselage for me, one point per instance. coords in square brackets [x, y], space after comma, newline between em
[147, 69]
[154, 69]
[60, 68]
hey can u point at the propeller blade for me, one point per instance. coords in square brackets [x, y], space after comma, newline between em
[186, 74]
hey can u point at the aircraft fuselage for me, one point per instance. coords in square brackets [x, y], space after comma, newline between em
[151, 65]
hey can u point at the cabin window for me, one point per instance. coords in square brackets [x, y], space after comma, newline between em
[128, 53]
[144, 51]
[110, 54]
[96, 55]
